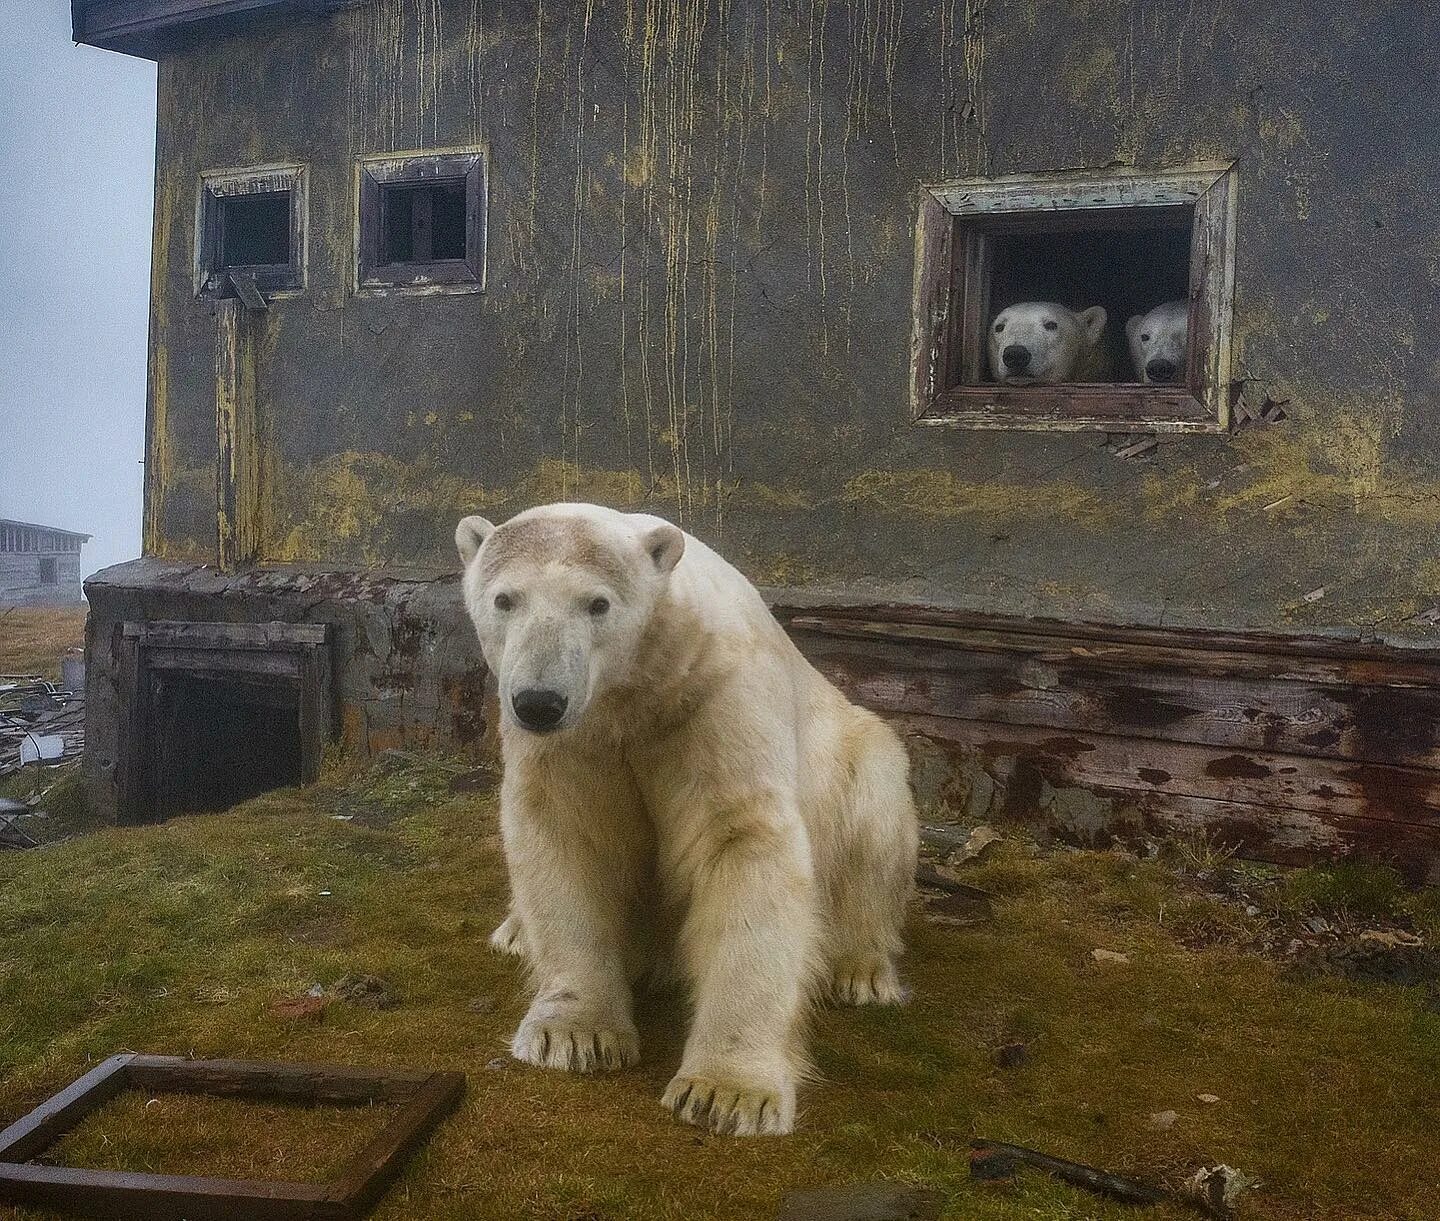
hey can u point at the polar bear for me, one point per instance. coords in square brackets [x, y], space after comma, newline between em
[1039, 342]
[1159, 342]
[680, 782]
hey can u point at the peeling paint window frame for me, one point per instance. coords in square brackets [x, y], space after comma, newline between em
[952, 306]
[272, 279]
[375, 173]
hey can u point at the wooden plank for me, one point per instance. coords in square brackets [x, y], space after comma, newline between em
[306, 1083]
[1370, 723]
[1103, 403]
[930, 311]
[273, 634]
[35, 1132]
[1127, 767]
[376, 1166]
[282, 665]
[1299, 837]
[162, 1197]
[1085, 190]
[1216, 654]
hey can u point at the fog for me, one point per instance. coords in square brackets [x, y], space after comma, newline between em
[77, 146]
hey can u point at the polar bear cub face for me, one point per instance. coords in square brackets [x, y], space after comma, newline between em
[1041, 342]
[1158, 342]
[560, 596]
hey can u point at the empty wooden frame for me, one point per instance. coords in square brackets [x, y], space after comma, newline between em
[425, 1099]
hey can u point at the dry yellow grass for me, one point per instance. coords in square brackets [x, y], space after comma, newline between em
[178, 939]
[33, 639]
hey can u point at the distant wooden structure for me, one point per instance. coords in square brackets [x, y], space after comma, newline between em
[40, 565]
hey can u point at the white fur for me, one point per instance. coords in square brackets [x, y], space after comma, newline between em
[1061, 343]
[1163, 335]
[710, 798]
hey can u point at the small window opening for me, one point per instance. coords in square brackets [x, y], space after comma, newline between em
[255, 230]
[423, 224]
[49, 570]
[1086, 300]
[252, 221]
[1127, 271]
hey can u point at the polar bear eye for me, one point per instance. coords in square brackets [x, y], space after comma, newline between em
[999, 326]
[1052, 325]
[1144, 338]
[503, 602]
[598, 606]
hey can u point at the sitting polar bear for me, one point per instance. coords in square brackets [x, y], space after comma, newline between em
[1039, 342]
[1158, 342]
[680, 783]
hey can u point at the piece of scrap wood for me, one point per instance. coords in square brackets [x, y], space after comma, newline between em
[990, 1158]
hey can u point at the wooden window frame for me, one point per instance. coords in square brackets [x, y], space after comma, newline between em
[424, 1098]
[952, 299]
[372, 175]
[214, 280]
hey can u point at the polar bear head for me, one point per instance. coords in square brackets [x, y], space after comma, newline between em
[1039, 341]
[1158, 342]
[560, 597]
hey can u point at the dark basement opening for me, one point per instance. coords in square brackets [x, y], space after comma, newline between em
[422, 223]
[219, 740]
[255, 230]
[1129, 263]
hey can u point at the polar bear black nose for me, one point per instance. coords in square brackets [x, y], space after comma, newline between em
[1160, 370]
[538, 709]
[1016, 356]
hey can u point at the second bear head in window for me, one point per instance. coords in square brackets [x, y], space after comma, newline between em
[1042, 343]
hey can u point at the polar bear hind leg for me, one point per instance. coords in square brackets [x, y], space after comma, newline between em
[875, 870]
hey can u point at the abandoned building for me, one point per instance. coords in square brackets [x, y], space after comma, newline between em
[40, 565]
[737, 264]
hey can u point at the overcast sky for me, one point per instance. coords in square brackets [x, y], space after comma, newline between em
[77, 152]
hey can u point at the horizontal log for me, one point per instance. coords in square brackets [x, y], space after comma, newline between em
[163, 1197]
[311, 1083]
[1380, 724]
[1127, 767]
[1131, 649]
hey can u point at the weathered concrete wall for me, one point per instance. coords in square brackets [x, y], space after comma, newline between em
[699, 285]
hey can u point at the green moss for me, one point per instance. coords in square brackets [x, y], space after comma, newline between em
[180, 938]
[1348, 888]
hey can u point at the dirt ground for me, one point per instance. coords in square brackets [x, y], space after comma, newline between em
[33, 639]
[206, 937]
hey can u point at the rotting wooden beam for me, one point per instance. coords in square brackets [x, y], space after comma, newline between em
[237, 478]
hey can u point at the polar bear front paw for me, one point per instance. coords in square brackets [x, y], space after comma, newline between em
[509, 938]
[871, 981]
[732, 1108]
[577, 1046]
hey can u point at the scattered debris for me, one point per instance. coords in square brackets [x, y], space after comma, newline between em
[1163, 1121]
[1391, 938]
[1136, 449]
[975, 845]
[862, 1202]
[1012, 1055]
[958, 903]
[497, 1065]
[480, 1004]
[1315, 594]
[300, 1008]
[11, 836]
[39, 722]
[1109, 956]
[1208, 1099]
[995, 1160]
[368, 991]
[1217, 1189]
[476, 780]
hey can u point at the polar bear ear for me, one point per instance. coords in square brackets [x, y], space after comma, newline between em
[1093, 320]
[664, 544]
[1133, 324]
[470, 534]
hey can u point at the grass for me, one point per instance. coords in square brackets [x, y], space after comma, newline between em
[179, 939]
[33, 639]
